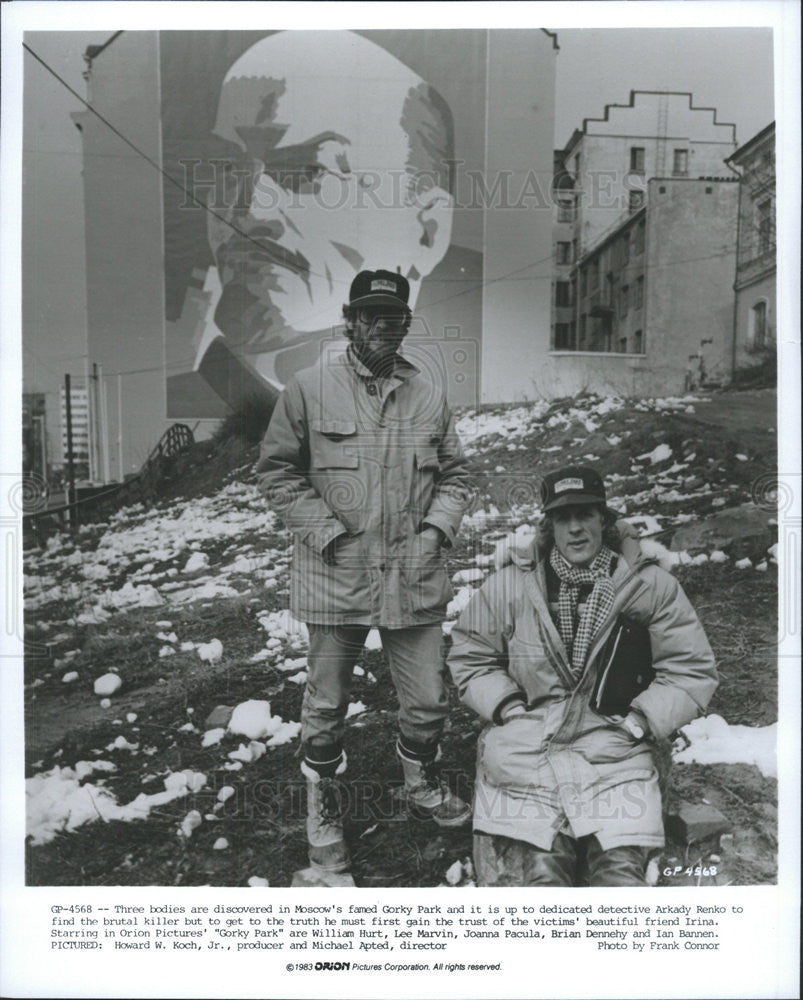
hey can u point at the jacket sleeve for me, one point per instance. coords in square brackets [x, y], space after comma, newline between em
[478, 657]
[454, 489]
[685, 669]
[282, 473]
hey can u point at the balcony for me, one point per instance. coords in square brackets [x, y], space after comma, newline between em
[600, 304]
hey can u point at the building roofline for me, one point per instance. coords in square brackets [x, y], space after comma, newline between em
[93, 51]
[668, 93]
[554, 36]
[754, 141]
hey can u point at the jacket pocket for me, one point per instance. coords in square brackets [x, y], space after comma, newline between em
[425, 477]
[511, 753]
[335, 470]
[333, 445]
[427, 580]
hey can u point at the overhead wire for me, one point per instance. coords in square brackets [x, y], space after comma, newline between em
[517, 274]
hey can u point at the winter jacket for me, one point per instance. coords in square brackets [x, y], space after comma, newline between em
[561, 767]
[361, 465]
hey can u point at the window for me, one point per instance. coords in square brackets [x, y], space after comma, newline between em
[626, 248]
[562, 337]
[635, 200]
[563, 293]
[577, 166]
[636, 159]
[680, 162]
[624, 300]
[564, 253]
[593, 275]
[583, 325]
[623, 345]
[583, 282]
[638, 301]
[574, 250]
[765, 240]
[638, 342]
[759, 324]
[638, 242]
[566, 210]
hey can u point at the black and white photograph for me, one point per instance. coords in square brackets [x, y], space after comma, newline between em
[405, 494]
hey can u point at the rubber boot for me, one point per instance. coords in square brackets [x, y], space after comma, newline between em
[325, 809]
[427, 796]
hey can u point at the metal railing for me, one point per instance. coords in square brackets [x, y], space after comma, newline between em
[140, 488]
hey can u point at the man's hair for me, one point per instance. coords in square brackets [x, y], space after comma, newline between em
[545, 532]
[427, 120]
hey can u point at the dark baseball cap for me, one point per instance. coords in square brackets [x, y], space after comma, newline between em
[573, 484]
[379, 288]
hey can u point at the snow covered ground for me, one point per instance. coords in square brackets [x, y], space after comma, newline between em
[208, 548]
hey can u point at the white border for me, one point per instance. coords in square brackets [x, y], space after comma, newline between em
[766, 962]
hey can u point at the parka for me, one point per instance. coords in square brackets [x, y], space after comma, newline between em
[560, 767]
[365, 463]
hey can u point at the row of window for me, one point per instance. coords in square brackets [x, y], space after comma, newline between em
[631, 243]
[680, 161]
[638, 156]
[567, 207]
[565, 294]
[595, 338]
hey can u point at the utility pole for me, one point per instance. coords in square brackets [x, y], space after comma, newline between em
[104, 424]
[70, 466]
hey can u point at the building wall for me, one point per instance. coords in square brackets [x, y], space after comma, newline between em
[125, 244]
[756, 260]
[657, 123]
[518, 242]
[123, 198]
[691, 257]
[681, 250]
[761, 290]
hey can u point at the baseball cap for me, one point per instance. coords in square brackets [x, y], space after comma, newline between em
[573, 484]
[379, 288]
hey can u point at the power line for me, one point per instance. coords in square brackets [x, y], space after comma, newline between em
[197, 201]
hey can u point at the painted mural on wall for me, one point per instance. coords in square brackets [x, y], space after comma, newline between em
[309, 156]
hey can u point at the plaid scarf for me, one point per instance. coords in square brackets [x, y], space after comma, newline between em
[597, 607]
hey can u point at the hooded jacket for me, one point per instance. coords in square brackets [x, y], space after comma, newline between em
[358, 465]
[561, 767]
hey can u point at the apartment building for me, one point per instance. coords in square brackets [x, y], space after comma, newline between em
[755, 320]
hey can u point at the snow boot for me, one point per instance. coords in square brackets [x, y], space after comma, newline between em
[325, 809]
[427, 796]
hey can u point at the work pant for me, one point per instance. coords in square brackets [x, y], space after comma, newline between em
[415, 656]
[570, 862]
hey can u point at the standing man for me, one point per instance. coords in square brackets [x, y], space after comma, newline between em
[362, 460]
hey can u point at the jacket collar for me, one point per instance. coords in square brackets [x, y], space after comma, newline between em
[402, 368]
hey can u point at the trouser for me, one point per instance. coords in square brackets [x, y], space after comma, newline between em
[570, 862]
[415, 656]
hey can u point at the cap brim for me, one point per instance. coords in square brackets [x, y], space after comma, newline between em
[573, 500]
[380, 300]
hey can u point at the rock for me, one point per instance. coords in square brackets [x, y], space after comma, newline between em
[196, 562]
[252, 718]
[210, 651]
[107, 685]
[739, 531]
[691, 822]
[219, 717]
[315, 878]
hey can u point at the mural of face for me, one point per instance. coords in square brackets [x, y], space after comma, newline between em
[343, 166]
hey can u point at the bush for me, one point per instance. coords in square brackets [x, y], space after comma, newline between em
[762, 374]
[248, 422]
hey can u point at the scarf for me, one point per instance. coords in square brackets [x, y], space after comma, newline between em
[597, 606]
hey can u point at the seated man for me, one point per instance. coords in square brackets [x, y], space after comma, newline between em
[565, 793]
